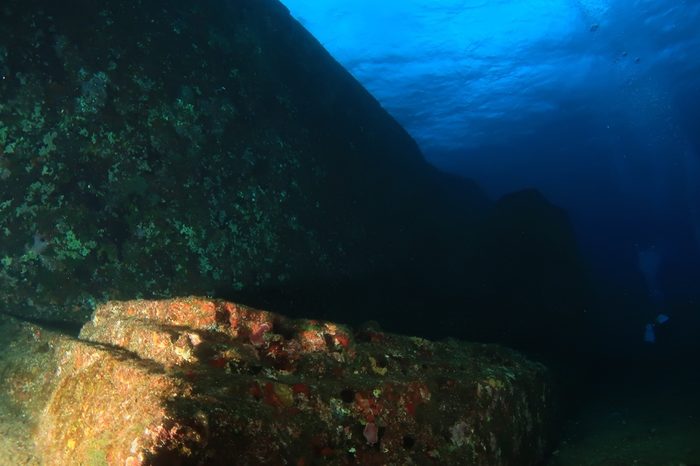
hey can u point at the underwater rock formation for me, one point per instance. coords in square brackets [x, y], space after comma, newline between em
[199, 381]
[156, 149]
[529, 250]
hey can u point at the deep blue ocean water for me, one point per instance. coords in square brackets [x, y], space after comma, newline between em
[596, 103]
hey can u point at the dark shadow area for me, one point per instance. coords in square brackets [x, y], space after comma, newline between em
[61, 326]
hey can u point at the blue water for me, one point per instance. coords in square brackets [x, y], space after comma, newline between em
[595, 103]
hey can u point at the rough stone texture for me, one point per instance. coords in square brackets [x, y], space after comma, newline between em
[204, 382]
[23, 387]
[166, 148]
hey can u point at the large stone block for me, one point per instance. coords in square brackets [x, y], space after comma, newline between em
[199, 381]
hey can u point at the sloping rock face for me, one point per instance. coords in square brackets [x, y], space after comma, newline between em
[196, 381]
[157, 149]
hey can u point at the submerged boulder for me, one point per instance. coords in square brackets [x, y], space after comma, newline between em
[200, 381]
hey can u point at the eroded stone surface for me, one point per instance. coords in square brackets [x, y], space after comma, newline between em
[198, 381]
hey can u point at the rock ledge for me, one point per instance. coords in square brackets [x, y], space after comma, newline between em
[199, 381]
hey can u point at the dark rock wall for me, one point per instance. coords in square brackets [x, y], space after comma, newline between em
[154, 149]
[533, 255]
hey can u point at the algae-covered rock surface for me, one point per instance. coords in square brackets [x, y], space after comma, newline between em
[199, 381]
[151, 149]
[156, 148]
